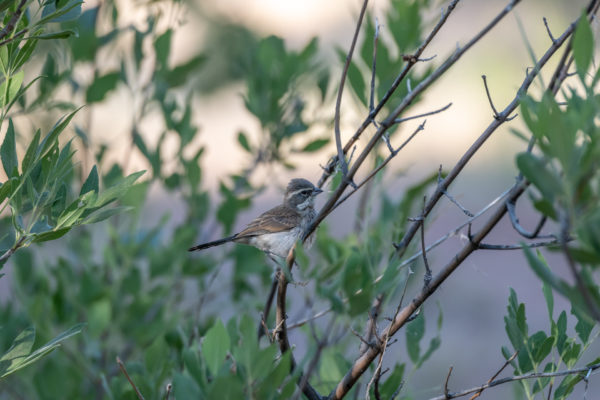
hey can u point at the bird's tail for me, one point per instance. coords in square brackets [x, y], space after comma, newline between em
[212, 244]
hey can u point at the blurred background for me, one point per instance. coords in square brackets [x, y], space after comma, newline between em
[216, 43]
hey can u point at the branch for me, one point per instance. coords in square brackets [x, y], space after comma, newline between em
[496, 115]
[328, 170]
[506, 364]
[363, 362]
[338, 141]
[12, 23]
[281, 329]
[124, 370]
[373, 68]
[534, 375]
[405, 103]
[439, 110]
[12, 250]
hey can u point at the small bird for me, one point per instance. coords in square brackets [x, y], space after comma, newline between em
[276, 231]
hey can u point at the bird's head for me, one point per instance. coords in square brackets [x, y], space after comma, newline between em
[300, 194]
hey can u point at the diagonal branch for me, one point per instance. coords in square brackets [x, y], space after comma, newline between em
[336, 121]
[12, 23]
[535, 375]
[328, 170]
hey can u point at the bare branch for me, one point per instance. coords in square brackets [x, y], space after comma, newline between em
[485, 246]
[281, 328]
[124, 371]
[427, 277]
[381, 166]
[452, 199]
[446, 391]
[12, 23]
[328, 170]
[373, 69]
[548, 30]
[338, 141]
[439, 110]
[12, 250]
[506, 363]
[514, 220]
[534, 375]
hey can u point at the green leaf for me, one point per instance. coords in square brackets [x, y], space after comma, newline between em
[50, 235]
[415, 331]
[583, 45]
[8, 152]
[243, 141]
[215, 347]
[184, 387]
[69, 11]
[10, 87]
[15, 356]
[538, 173]
[56, 130]
[118, 190]
[162, 47]
[67, 33]
[106, 213]
[315, 145]
[91, 183]
[31, 153]
[547, 290]
[100, 87]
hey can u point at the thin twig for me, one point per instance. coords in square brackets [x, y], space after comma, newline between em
[280, 331]
[262, 327]
[380, 167]
[427, 277]
[13, 249]
[533, 375]
[373, 69]
[309, 319]
[12, 23]
[452, 199]
[485, 246]
[506, 363]
[124, 371]
[446, 391]
[548, 30]
[338, 141]
[328, 170]
[439, 110]
[514, 220]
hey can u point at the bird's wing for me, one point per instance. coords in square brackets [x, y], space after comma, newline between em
[278, 219]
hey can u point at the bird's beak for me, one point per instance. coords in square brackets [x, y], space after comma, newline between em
[316, 191]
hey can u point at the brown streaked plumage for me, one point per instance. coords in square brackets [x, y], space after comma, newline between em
[276, 230]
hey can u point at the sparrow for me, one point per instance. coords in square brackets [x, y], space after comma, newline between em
[276, 231]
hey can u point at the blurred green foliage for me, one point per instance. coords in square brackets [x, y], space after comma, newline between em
[141, 296]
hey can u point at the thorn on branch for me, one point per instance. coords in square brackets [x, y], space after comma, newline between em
[497, 116]
[548, 30]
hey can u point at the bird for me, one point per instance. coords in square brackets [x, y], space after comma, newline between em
[276, 231]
